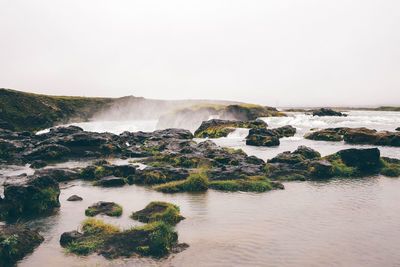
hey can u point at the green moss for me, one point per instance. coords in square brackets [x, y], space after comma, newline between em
[390, 167]
[175, 160]
[158, 211]
[156, 238]
[340, 169]
[44, 200]
[252, 184]
[196, 182]
[115, 211]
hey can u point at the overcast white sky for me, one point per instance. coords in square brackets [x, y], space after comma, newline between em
[280, 53]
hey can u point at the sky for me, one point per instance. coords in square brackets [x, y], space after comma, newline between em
[277, 52]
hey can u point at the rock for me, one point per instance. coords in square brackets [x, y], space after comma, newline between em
[158, 175]
[158, 211]
[69, 237]
[31, 195]
[37, 164]
[327, 112]
[287, 157]
[365, 159]
[110, 181]
[16, 241]
[102, 207]
[262, 137]
[285, 131]
[74, 198]
[329, 134]
[307, 153]
[321, 169]
[59, 174]
[357, 136]
[221, 128]
[46, 152]
[398, 129]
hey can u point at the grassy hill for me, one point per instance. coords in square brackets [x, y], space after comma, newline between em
[31, 112]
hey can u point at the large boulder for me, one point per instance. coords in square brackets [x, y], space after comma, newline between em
[262, 137]
[31, 195]
[364, 159]
[327, 112]
[307, 152]
[220, 128]
[15, 242]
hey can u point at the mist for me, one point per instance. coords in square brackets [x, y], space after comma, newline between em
[275, 53]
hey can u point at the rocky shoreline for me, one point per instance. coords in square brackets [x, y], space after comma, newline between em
[173, 162]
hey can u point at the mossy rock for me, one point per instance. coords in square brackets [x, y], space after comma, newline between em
[154, 239]
[390, 167]
[158, 211]
[102, 207]
[196, 182]
[252, 184]
[15, 242]
[221, 128]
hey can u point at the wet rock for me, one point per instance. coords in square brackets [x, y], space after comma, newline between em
[329, 134]
[110, 181]
[158, 211]
[37, 164]
[74, 198]
[16, 241]
[307, 152]
[365, 159]
[69, 237]
[46, 152]
[321, 169]
[327, 112]
[398, 129]
[102, 207]
[158, 175]
[31, 195]
[262, 137]
[285, 131]
[59, 174]
[221, 128]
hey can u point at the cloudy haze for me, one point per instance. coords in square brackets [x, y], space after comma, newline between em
[279, 53]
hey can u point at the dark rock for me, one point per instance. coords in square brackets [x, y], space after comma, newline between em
[329, 134]
[307, 153]
[285, 131]
[47, 152]
[69, 237]
[16, 241]
[59, 174]
[31, 195]
[102, 207]
[321, 169]
[110, 181]
[220, 128]
[327, 112]
[74, 198]
[398, 129]
[262, 137]
[37, 164]
[365, 159]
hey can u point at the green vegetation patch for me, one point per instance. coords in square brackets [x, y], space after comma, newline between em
[155, 239]
[390, 167]
[339, 169]
[158, 211]
[196, 182]
[251, 184]
[107, 208]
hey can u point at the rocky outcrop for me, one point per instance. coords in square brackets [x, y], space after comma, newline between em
[15, 242]
[221, 128]
[158, 211]
[268, 137]
[102, 207]
[110, 181]
[327, 112]
[30, 195]
[357, 136]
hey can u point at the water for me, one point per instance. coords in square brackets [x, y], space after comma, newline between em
[340, 222]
